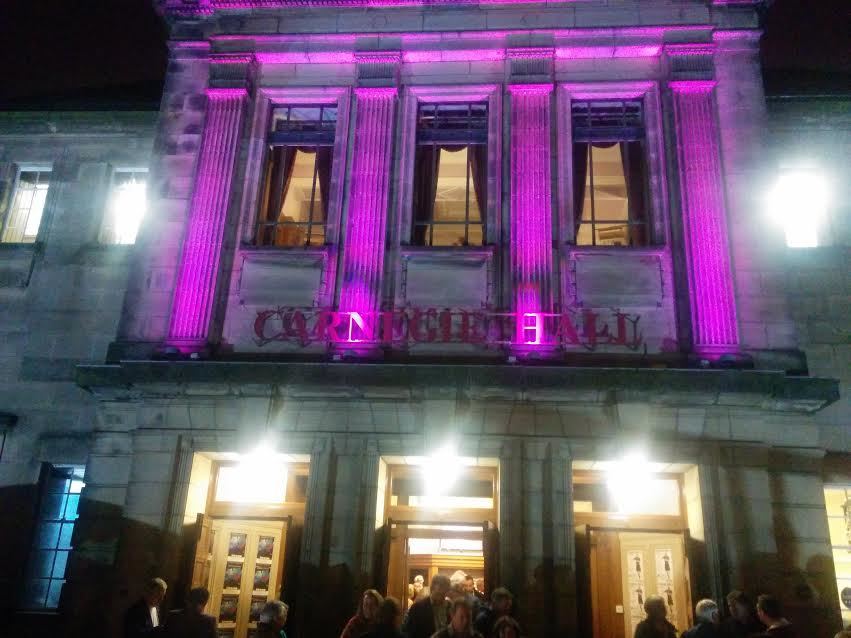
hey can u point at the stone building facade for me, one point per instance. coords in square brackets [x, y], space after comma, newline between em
[643, 404]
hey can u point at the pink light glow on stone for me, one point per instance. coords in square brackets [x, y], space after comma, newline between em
[196, 283]
[531, 219]
[368, 200]
[712, 299]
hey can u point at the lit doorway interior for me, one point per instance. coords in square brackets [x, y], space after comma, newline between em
[243, 508]
[631, 541]
[437, 529]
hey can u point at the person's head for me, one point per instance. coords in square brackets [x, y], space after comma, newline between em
[654, 607]
[154, 592]
[439, 588]
[458, 577]
[419, 583]
[369, 604]
[739, 606]
[390, 613]
[706, 611]
[456, 591]
[768, 609]
[274, 614]
[197, 599]
[469, 585]
[461, 615]
[506, 627]
[502, 601]
[480, 584]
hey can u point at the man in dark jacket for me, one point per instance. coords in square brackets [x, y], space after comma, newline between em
[191, 621]
[708, 619]
[742, 622]
[770, 614]
[502, 601]
[431, 614]
[142, 619]
[460, 621]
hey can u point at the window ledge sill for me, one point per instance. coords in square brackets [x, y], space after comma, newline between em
[635, 250]
[418, 253]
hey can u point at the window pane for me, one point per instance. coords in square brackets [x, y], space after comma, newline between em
[24, 217]
[60, 564]
[35, 593]
[53, 594]
[47, 536]
[611, 209]
[65, 536]
[52, 506]
[71, 506]
[41, 564]
[58, 483]
[296, 202]
[125, 208]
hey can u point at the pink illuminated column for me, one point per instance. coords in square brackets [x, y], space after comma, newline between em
[710, 277]
[531, 218]
[196, 283]
[363, 259]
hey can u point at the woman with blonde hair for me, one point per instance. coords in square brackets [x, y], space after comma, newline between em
[366, 618]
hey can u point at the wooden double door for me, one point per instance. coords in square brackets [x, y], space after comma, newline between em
[618, 570]
[242, 568]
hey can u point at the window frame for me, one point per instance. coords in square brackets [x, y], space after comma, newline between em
[19, 168]
[415, 96]
[656, 185]
[268, 99]
[47, 473]
[113, 171]
[313, 139]
[437, 137]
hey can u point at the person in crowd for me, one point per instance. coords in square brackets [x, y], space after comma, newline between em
[708, 620]
[656, 624]
[142, 618]
[506, 627]
[431, 614]
[460, 621]
[191, 621]
[420, 590]
[366, 617]
[469, 585]
[272, 619]
[845, 633]
[389, 619]
[502, 602]
[742, 622]
[770, 614]
[456, 590]
[479, 589]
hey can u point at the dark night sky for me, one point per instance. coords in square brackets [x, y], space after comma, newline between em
[61, 47]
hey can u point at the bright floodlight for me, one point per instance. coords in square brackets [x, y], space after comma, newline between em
[798, 201]
[259, 477]
[128, 208]
[440, 471]
[629, 481]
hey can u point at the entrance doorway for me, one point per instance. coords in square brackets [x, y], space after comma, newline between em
[625, 567]
[632, 544]
[244, 507]
[430, 531]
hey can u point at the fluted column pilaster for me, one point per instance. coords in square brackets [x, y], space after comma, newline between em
[194, 296]
[710, 277]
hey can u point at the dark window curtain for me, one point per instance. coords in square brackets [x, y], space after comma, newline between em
[632, 156]
[580, 171]
[282, 160]
[324, 161]
[477, 156]
[426, 169]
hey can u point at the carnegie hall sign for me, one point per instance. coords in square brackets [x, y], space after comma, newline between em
[409, 326]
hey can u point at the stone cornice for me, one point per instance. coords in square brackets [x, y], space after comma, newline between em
[762, 390]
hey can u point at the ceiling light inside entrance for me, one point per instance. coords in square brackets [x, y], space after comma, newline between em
[630, 481]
